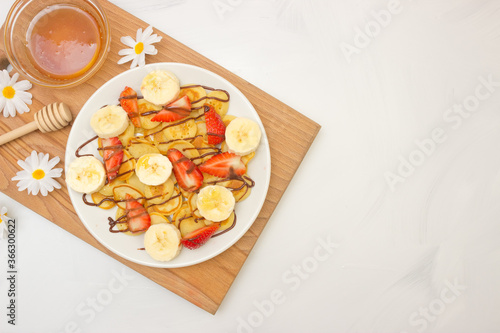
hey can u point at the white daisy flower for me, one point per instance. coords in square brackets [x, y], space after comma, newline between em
[139, 47]
[3, 222]
[38, 174]
[13, 96]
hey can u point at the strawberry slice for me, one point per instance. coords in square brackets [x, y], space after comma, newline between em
[188, 176]
[224, 165]
[137, 216]
[113, 156]
[197, 238]
[176, 110]
[128, 101]
[216, 129]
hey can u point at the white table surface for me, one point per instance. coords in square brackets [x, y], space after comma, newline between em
[420, 253]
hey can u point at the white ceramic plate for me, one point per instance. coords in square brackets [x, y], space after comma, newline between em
[96, 219]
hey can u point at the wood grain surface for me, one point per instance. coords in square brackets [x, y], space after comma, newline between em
[290, 135]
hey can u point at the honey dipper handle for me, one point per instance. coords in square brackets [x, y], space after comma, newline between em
[18, 132]
[50, 118]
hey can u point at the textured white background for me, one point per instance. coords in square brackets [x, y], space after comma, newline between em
[399, 250]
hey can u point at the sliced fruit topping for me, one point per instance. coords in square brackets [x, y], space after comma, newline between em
[113, 156]
[199, 237]
[176, 110]
[86, 174]
[128, 101]
[188, 176]
[137, 216]
[160, 87]
[153, 169]
[243, 136]
[224, 165]
[215, 126]
[109, 121]
[162, 241]
[215, 203]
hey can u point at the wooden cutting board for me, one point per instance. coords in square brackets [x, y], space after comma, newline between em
[290, 135]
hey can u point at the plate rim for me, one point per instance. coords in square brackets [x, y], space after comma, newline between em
[236, 238]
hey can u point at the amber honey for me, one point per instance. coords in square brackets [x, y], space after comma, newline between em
[63, 41]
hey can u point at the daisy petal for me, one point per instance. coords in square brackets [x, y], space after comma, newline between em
[25, 165]
[34, 160]
[127, 40]
[17, 177]
[153, 39]
[24, 96]
[147, 32]
[34, 187]
[23, 184]
[142, 60]
[53, 183]
[134, 62]
[20, 175]
[126, 59]
[43, 190]
[55, 173]
[13, 79]
[11, 110]
[2, 103]
[49, 186]
[4, 78]
[22, 85]
[44, 161]
[138, 35]
[126, 52]
[53, 162]
[20, 106]
[150, 49]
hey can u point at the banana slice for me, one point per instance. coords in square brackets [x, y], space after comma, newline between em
[215, 203]
[162, 241]
[243, 136]
[86, 174]
[109, 121]
[160, 87]
[153, 169]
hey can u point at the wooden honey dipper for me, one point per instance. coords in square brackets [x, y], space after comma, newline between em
[50, 118]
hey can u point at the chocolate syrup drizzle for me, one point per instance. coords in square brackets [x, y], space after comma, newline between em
[197, 219]
[77, 152]
[224, 231]
[206, 97]
[124, 218]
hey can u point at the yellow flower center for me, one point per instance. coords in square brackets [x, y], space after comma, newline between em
[139, 47]
[38, 174]
[8, 92]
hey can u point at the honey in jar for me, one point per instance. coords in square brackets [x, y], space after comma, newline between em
[63, 41]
